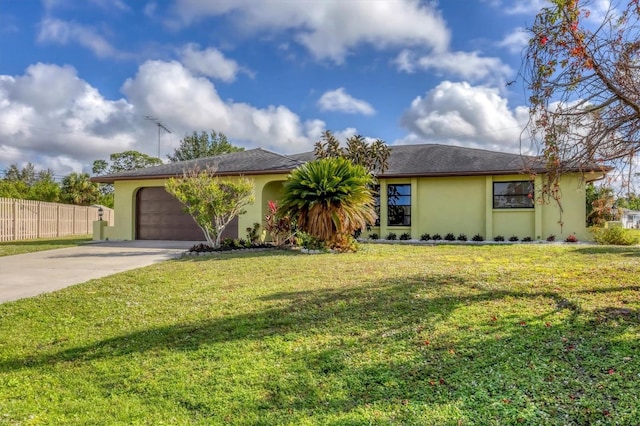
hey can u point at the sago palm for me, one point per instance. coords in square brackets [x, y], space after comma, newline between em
[330, 199]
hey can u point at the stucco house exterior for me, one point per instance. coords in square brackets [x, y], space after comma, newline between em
[427, 188]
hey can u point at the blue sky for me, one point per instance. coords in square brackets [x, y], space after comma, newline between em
[78, 78]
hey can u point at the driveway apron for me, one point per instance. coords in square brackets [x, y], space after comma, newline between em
[27, 275]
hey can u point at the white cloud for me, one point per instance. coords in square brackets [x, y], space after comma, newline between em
[209, 62]
[465, 115]
[466, 65]
[516, 41]
[51, 117]
[169, 91]
[62, 32]
[330, 29]
[339, 100]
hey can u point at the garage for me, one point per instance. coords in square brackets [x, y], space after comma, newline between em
[159, 216]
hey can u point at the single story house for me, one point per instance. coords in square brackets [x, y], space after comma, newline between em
[427, 188]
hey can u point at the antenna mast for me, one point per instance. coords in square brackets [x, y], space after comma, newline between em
[161, 127]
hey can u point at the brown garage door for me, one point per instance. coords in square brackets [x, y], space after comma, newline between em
[159, 216]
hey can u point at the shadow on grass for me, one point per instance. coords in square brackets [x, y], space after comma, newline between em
[504, 370]
[628, 251]
[55, 242]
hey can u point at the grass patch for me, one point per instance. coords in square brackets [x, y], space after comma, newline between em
[8, 248]
[389, 335]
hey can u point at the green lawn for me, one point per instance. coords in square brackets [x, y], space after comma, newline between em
[391, 335]
[8, 248]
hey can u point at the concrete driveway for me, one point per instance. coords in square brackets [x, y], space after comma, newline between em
[26, 275]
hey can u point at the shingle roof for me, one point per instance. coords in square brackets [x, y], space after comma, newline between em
[253, 161]
[439, 160]
[405, 160]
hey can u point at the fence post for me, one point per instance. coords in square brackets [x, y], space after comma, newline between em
[15, 220]
[58, 221]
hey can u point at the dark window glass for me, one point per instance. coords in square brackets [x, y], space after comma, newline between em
[399, 205]
[513, 195]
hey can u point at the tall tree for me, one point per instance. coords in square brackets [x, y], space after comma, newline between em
[202, 145]
[26, 183]
[78, 189]
[330, 199]
[211, 201]
[125, 161]
[372, 156]
[583, 72]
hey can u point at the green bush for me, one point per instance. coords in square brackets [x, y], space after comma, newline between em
[617, 236]
[373, 236]
[391, 236]
[425, 237]
[405, 236]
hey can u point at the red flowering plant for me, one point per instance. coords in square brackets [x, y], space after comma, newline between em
[280, 227]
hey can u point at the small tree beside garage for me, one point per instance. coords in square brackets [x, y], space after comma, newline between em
[212, 202]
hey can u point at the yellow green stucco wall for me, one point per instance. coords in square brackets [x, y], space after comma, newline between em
[465, 205]
[438, 205]
[267, 187]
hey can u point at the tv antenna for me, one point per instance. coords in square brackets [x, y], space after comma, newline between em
[161, 127]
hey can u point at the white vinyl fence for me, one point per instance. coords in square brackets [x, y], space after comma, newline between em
[26, 219]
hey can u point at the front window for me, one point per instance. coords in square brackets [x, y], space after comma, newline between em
[513, 195]
[399, 203]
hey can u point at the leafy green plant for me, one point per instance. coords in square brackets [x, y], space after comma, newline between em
[450, 237]
[462, 237]
[514, 238]
[498, 238]
[614, 236]
[252, 233]
[527, 239]
[551, 238]
[373, 236]
[436, 237]
[425, 237]
[477, 237]
[310, 242]
[391, 236]
[405, 236]
[330, 199]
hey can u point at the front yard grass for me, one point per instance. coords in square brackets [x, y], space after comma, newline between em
[8, 248]
[411, 335]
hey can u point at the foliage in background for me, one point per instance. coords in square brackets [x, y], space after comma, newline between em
[599, 204]
[27, 184]
[202, 145]
[581, 71]
[372, 156]
[78, 189]
[211, 201]
[615, 235]
[330, 199]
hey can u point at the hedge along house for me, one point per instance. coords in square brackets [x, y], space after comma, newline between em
[426, 189]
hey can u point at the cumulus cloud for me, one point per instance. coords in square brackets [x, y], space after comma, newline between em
[470, 66]
[209, 62]
[54, 119]
[516, 41]
[330, 29]
[169, 90]
[339, 100]
[51, 117]
[465, 115]
[57, 31]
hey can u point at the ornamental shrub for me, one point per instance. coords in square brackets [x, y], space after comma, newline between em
[614, 236]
